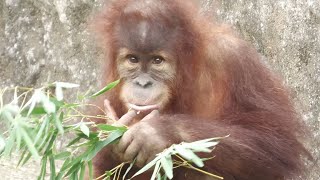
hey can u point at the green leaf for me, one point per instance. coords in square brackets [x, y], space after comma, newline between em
[75, 168]
[56, 102]
[67, 85]
[58, 122]
[52, 168]
[26, 156]
[84, 129]
[90, 167]
[42, 127]
[67, 106]
[128, 169]
[18, 140]
[48, 106]
[105, 89]
[101, 144]
[164, 177]
[43, 168]
[209, 140]
[62, 155]
[75, 140]
[60, 85]
[105, 127]
[59, 93]
[147, 166]
[74, 162]
[2, 145]
[7, 116]
[34, 111]
[189, 155]
[155, 171]
[51, 142]
[36, 97]
[74, 175]
[63, 168]
[10, 143]
[108, 175]
[82, 171]
[167, 165]
[29, 143]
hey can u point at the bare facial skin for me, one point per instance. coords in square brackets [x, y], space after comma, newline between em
[146, 89]
[146, 79]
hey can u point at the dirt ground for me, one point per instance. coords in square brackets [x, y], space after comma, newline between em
[10, 171]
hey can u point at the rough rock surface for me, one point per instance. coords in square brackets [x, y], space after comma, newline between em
[49, 40]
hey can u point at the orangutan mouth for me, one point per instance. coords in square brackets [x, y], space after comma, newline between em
[143, 107]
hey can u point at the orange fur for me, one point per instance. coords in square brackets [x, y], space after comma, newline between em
[222, 87]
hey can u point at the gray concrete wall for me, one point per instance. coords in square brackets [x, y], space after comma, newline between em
[48, 40]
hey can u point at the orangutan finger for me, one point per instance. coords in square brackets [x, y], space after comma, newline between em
[126, 119]
[110, 112]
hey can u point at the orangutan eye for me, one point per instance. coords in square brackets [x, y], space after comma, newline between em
[157, 60]
[132, 59]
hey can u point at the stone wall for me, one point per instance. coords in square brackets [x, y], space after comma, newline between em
[48, 40]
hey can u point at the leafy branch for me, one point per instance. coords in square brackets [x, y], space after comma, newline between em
[37, 119]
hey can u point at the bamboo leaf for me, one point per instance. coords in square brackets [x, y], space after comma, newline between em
[167, 165]
[41, 130]
[18, 140]
[52, 168]
[43, 168]
[74, 162]
[59, 90]
[189, 155]
[10, 143]
[58, 122]
[90, 167]
[34, 111]
[75, 168]
[26, 155]
[105, 127]
[75, 140]
[36, 97]
[29, 143]
[108, 175]
[63, 168]
[164, 177]
[197, 161]
[211, 139]
[59, 93]
[2, 145]
[67, 106]
[147, 166]
[51, 142]
[105, 89]
[84, 129]
[56, 102]
[155, 171]
[101, 144]
[129, 168]
[66, 85]
[62, 155]
[82, 171]
[185, 153]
